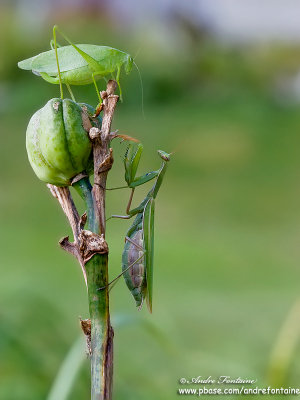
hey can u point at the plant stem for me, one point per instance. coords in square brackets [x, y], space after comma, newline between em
[97, 274]
[84, 189]
[96, 267]
[101, 331]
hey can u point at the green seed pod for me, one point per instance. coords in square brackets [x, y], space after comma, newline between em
[57, 141]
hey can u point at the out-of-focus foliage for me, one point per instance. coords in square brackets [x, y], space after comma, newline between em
[227, 220]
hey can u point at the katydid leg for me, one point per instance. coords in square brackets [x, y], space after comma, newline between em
[99, 106]
[118, 82]
[58, 70]
[70, 91]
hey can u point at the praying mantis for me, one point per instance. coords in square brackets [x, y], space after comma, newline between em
[80, 64]
[137, 257]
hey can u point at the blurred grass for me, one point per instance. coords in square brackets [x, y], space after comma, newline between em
[227, 222]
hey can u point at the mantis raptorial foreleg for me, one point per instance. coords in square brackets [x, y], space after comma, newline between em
[130, 201]
[131, 162]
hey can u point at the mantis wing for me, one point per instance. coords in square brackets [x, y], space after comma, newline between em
[148, 228]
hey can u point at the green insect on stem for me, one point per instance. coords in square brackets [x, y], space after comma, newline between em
[143, 224]
[80, 64]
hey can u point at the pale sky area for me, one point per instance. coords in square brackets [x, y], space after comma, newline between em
[234, 20]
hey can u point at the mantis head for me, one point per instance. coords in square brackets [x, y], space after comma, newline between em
[165, 156]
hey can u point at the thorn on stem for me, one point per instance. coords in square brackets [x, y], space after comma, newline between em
[68, 246]
[90, 243]
[107, 163]
[82, 221]
[87, 329]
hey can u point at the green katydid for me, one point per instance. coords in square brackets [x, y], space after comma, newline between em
[80, 64]
[137, 257]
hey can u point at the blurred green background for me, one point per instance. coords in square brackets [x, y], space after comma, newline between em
[227, 234]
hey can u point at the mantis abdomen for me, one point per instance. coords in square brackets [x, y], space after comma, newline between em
[133, 255]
